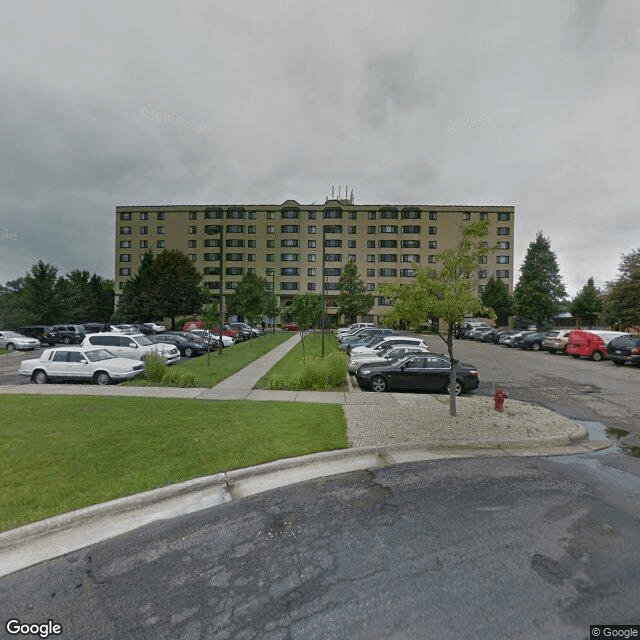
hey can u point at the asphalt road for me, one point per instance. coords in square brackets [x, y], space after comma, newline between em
[506, 548]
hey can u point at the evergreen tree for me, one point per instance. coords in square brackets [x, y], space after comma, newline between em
[137, 302]
[496, 296]
[540, 288]
[587, 305]
[353, 299]
[622, 300]
[41, 297]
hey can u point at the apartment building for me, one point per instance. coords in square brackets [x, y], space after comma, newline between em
[301, 248]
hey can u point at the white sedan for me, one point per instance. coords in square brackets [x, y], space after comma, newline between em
[77, 363]
[227, 341]
[12, 340]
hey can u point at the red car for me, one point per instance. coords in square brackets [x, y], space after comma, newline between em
[292, 326]
[198, 324]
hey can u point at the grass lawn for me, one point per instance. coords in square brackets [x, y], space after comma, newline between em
[220, 367]
[291, 364]
[61, 453]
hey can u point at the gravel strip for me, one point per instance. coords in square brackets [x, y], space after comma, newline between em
[477, 420]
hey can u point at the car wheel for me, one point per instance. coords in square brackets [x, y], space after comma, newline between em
[457, 390]
[575, 355]
[618, 363]
[188, 352]
[535, 346]
[596, 356]
[378, 384]
[40, 377]
[552, 350]
[10, 346]
[102, 378]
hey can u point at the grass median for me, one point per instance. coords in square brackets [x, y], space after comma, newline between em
[61, 453]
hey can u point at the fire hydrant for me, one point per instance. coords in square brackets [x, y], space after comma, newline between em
[499, 398]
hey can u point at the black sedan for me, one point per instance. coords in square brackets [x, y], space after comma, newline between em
[187, 348]
[429, 372]
[531, 341]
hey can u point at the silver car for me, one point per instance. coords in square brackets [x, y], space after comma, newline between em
[12, 340]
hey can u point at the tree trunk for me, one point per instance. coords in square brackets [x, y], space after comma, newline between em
[453, 374]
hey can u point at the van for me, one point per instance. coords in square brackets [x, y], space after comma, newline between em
[590, 344]
[133, 346]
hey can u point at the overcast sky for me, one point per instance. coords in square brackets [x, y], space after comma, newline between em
[509, 102]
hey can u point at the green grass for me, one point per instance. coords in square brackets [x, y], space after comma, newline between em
[294, 371]
[61, 453]
[220, 367]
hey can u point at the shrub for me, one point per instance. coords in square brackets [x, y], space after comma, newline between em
[317, 374]
[154, 368]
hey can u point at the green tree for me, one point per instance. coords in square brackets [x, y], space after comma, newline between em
[449, 294]
[622, 299]
[496, 296]
[540, 289]
[353, 299]
[137, 301]
[41, 296]
[12, 313]
[587, 305]
[250, 298]
[87, 297]
[305, 311]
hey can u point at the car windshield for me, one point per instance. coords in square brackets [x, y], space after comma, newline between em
[99, 354]
[144, 341]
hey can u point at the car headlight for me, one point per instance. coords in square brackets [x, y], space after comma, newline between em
[364, 372]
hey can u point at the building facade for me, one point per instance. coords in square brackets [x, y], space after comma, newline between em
[302, 248]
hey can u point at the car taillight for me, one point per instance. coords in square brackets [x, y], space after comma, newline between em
[474, 374]
[636, 351]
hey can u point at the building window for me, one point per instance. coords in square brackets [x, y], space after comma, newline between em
[289, 228]
[289, 271]
[371, 215]
[212, 242]
[160, 244]
[352, 230]
[333, 271]
[351, 244]
[193, 215]
[271, 257]
[481, 288]
[482, 274]
[212, 285]
[192, 230]
[432, 259]
[125, 271]
[504, 216]
[290, 242]
[271, 215]
[371, 257]
[311, 286]
[482, 260]
[371, 273]
[371, 286]
[410, 244]
[466, 215]
[387, 244]
[234, 257]
[125, 215]
[311, 271]
[353, 216]
[311, 215]
[504, 245]
[388, 215]
[371, 244]
[502, 273]
[433, 215]
[412, 214]
[212, 257]
[333, 243]
[251, 244]
[411, 257]
[210, 229]
[211, 271]
[289, 257]
[311, 257]
[192, 257]
[384, 302]
[371, 230]
[234, 271]
[332, 214]
[503, 231]
[387, 273]
[411, 229]
[251, 228]
[125, 244]
[191, 244]
[213, 215]
[407, 273]
[271, 229]
[125, 257]
[144, 215]
[252, 216]
[251, 257]
[433, 244]
[271, 244]
[289, 214]
[331, 286]
[288, 286]
[125, 231]
[333, 257]
[502, 259]
[387, 257]
[388, 228]
[433, 231]
[311, 229]
[161, 215]
[235, 214]
[231, 285]
[484, 216]
[234, 242]
[235, 228]
[144, 244]
[160, 230]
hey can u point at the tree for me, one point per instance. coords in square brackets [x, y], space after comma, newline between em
[353, 299]
[622, 299]
[496, 296]
[587, 305]
[250, 298]
[540, 288]
[87, 297]
[41, 295]
[448, 294]
[137, 301]
[305, 311]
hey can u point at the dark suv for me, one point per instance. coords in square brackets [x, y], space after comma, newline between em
[69, 333]
[624, 349]
[43, 332]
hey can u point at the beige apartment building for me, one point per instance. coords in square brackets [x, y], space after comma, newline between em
[302, 248]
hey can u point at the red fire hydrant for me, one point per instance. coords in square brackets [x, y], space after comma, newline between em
[499, 398]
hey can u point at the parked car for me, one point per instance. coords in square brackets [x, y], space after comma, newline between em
[212, 338]
[555, 341]
[382, 342]
[134, 346]
[354, 327]
[96, 327]
[463, 330]
[384, 356]
[531, 341]
[42, 332]
[429, 372]
[229, 332]
[76, 363]
[11, 340]
[509, 339]
[187, 348]
[362, 339]
[624, 349]
[243, 329]
[476, 333]
[590, 344]
[154, 326]
[69, 333]
[291, 326]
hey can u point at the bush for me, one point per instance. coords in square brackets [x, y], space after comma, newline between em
[154, 368]
[317, 374]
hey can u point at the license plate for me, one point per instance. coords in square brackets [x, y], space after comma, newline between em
[618, 352]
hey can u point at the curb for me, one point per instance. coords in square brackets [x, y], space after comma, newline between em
[46, 539]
